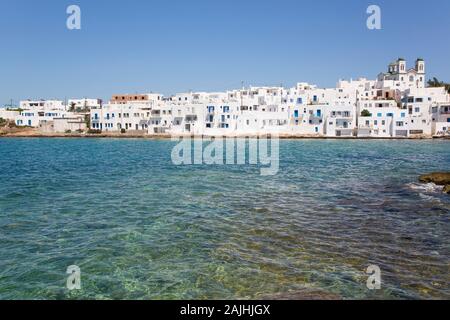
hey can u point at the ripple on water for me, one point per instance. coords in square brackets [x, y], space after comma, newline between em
[141, 228]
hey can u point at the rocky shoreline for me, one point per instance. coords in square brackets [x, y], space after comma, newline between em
[438, 178]
[31, 133]
[10, 130]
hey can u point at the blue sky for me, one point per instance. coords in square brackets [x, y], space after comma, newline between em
[174, 46]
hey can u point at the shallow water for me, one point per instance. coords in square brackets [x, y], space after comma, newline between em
[140, 227]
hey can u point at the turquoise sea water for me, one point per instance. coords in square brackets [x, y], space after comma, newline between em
[141, 228]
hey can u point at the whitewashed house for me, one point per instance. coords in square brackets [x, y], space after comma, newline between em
[396, 104]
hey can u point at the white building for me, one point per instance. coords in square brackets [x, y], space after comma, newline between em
[118, 117]
[35, 118]
[7, 114]
[441, 119]
[396, 104]
[83, 104]
[400, 76]
[42, 104]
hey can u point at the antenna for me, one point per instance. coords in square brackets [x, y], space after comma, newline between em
[242, 96]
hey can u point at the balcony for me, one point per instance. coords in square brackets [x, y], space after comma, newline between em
[190, 118]
[341, 116]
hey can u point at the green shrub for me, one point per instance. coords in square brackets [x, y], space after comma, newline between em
[365, 113]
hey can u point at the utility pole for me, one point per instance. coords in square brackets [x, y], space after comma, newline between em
[242, 95]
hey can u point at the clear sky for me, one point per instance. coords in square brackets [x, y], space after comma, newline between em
[172, 46]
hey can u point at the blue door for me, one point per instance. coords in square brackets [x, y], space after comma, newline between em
[29, 123]
[296, 113]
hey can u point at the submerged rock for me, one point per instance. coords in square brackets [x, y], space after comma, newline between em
[447, 189]
[438, 178]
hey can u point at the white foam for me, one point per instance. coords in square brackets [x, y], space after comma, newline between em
[425, 187]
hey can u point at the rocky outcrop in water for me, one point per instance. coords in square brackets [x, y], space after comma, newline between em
[447, 189]
[438, 178]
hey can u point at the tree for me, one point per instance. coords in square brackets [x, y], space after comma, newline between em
[87, 121]
[435, 83]
[366, 113]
